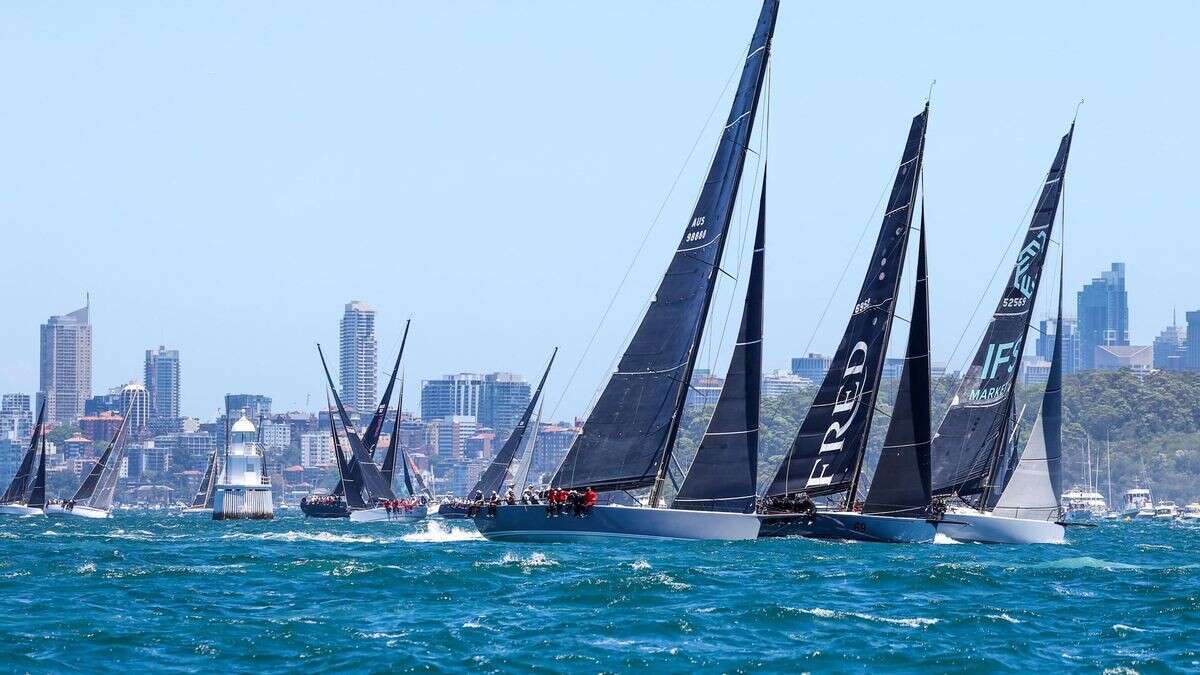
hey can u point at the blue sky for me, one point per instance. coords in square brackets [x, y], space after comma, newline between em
[223, 177]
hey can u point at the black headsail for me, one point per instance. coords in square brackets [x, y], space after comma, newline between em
[371, 434]
[628, 437]
[901, 484]
[20, 480]
[362, 464]
[37, 493]
[203, 498]
[976, 424]
[724, 473]
[388, 468]
[103, 468]
[493, 477]
[826, 456]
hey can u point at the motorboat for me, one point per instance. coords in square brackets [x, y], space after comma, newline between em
[1166, 510]
[1081, 505]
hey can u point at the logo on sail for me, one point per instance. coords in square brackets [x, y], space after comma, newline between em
[1022, 279]
[846, 401]
[999, 355]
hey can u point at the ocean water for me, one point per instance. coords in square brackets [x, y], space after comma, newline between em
[165, 592]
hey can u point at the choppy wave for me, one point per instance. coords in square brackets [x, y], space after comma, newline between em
[155, 592]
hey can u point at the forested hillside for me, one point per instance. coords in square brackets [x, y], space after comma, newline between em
[1151, 423]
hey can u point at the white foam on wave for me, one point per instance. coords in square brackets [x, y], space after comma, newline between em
[1003, 616]
[436, 533]
[86, 568]
[638, 565]
[939, 538]
[1122, 628]
[907, 622]
[291, 537]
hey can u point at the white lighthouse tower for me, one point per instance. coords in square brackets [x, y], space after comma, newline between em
[243, 489]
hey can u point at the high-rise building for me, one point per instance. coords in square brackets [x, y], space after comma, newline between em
[1103, 313]
[359, 362]
[65, 381]
[253, 406]
[1071, 349]
[782, 382]
[16, 418]
[452, 395]
[135, 399]
[1191, 360]
[1170, 348]
[502, 400]
[162, 383]
[812, 367]
[316, 449]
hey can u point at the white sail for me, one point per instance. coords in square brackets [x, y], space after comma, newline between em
[1030, 493]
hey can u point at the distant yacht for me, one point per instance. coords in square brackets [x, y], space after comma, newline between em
[1138, 504]
[1166, 510]
[1083, 505]
[243, 490]
[1191, 512]
[26, 493]
[94, 498]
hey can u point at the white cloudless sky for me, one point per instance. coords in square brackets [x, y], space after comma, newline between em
[223, 177]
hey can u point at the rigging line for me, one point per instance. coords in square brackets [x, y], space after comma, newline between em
[641, 246]
[985, 293]
[850, 260]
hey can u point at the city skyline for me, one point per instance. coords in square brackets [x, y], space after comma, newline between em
[480, 237]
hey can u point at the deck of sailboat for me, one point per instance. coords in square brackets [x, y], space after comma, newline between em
[531, 523]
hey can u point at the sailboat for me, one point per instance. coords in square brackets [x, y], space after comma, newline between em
[94, 497]
[202, 503]
[334, 505]
[495, 476]
[825, 461]
[628, 439]
[18, 499]
[975, 441]
[367, 492]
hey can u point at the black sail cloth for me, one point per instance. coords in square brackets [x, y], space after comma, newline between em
[25, 471]
[901, 484]
[724, 473]
[629, 433]
[976, 424]
[826, 455]
[493, 477]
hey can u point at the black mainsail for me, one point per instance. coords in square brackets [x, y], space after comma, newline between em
[826, 455]
[370, 436]
[493, 476]
[388, 468]
[724, 474]
[627, 439]
[21, 479]
[901, 484]
[975, 428]
[98, 488]
[350, 484]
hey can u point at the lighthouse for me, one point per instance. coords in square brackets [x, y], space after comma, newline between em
[243, 489]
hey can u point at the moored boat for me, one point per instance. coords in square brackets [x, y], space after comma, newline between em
[1166, 510]
[1138, 504]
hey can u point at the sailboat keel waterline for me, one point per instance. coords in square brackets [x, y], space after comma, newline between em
[523, 523]
[78, 511]
[848, 526]
[20, 510]
[382, 514]
[971, 526]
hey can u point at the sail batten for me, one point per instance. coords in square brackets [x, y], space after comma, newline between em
[724, 474]
[971, 436]
[630, 432]
[826, 455]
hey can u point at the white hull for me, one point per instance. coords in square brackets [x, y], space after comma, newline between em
[197, 511]
[79, 511]
[845, 525]
[986, 528]
[379, 513]
[530, 523]
[20, 510]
